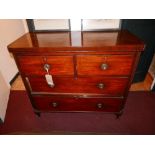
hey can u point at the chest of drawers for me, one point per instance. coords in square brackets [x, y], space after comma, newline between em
[91, 71]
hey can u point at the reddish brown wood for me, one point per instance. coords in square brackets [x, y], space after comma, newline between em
[34, 65]
[117, 64]
[131, 77]
[112, 86]
[70, 41]
[76, 59]
[77, 104]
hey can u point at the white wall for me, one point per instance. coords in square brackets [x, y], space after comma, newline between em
[75, 24]
[10, 29]
[4, 97]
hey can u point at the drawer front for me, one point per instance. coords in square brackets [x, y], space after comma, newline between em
[104, 86]
[80, 104]
[34, 65]
[104, 64]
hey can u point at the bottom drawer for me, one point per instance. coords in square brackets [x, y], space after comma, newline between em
[77, 104]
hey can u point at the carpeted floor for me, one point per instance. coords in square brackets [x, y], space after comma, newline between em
[138, 118]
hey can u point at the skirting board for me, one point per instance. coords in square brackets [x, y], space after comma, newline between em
[1, 121]
[14, 78]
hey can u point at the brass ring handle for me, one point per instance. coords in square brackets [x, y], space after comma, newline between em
[99, 105]
[100, 85]
[47, 67]
[104, 66]
[54, 104]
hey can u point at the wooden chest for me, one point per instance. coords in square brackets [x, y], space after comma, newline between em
[91, 71]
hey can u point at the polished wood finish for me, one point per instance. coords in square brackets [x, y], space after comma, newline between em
[65, 41]
[77, 104]
[34, 65]
[112, 86]
[140, 86]
[116, 64]
[92, 71]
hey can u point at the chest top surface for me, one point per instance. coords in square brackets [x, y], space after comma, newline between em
[77, 40]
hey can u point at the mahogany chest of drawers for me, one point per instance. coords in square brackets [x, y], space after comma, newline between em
[87, 71]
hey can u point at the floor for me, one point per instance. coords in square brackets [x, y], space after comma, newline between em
[138, 118]
[18, 84]
[141, 86]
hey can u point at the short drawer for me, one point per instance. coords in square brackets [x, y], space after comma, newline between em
[104, 64]
[34, 65]
[105, 86]
[79, 104]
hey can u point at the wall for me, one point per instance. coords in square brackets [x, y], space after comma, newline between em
[152, 67]
[145, 30]
[4, 97]
[152, 72]
[10, 29]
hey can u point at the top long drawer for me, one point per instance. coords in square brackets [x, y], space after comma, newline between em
[35, 65]
[104, 64]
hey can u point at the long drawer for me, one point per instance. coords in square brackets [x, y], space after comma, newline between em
[100, 85]
[81, 104]
[104, 64]
[34, 65]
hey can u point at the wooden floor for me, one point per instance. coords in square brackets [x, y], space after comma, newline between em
[18, 84]
[141, 86]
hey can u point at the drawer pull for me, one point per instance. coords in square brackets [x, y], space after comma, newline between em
[99, 105]
[100, 85]
[54, 104]
[47, 67]
[104, 66]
